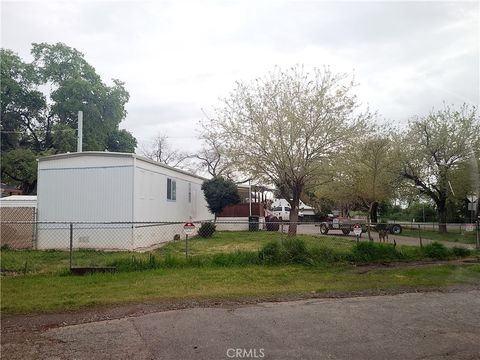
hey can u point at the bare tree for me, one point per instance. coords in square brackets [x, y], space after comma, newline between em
[160, 150]
[212, 156]
[285, 127]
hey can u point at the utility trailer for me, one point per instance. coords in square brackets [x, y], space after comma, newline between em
[346, 226]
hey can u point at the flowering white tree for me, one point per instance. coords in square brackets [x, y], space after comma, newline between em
[285, 128]
[436, 147]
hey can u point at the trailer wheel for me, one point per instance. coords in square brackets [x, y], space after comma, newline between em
[395, 229]
[323, 229]
[346, 231]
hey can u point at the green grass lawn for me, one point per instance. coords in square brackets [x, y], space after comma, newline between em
[50, 293]
[231, 241]
[228, 265]
[22, 262]
[453, 235]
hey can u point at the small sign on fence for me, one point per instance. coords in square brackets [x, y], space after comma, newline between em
[469, 227]
[188, 228]
[357, 229]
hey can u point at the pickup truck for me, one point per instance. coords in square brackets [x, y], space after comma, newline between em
[282, 212]
[346, 226]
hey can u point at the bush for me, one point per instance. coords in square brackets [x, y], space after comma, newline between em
[270, 253]
[207, 230]
[290, 251]
[369, 251]
[435, 250]
[461, 252]
[296, 251]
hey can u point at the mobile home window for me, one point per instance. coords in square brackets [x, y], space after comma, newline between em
[171, 190]
[189, 192]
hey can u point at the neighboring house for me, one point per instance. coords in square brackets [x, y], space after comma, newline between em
[28, 201]
[236, 217]
[114, 187]
[17, 226]
[8, 190]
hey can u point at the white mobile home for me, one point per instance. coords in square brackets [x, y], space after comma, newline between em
[114, 187]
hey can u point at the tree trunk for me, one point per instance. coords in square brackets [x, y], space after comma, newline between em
[292, 226]
[29, 188]
[373, 212]
[295, 203]
[442, 219]
[369, 221]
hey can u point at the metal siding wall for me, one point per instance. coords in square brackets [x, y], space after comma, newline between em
[85, 194]
[151, 195]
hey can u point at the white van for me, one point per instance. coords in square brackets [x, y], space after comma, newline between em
[281, 209]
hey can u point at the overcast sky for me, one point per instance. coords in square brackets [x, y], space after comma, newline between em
[179, 57]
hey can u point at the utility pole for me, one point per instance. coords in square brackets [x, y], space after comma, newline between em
[80, 131]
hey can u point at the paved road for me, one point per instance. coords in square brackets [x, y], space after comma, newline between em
[407, 326]
[400, 240]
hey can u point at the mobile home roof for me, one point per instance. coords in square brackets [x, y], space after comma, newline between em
[115, 154]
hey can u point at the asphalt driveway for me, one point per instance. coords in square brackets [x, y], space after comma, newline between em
[407, 326]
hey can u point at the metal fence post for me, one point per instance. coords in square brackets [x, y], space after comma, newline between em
[34, 229]
[186, 246]
[478, 233]
[71, 245]
[420, 236]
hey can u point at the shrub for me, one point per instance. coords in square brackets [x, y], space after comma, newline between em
[270, 253]
[369, 251]
[435, 250]
[461, 252]
[290, 251]
[296, 251]
[207, 229]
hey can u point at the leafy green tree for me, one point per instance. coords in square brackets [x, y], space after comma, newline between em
[219, 193]
[435, 150]
[40, 101]
[19, 166]
[121, 141]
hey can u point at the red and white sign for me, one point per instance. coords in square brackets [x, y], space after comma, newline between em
[188, 228]
[357, 229]
[469, 227]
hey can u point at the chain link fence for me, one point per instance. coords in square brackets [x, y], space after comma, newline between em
[100, 244]
[18, 227]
